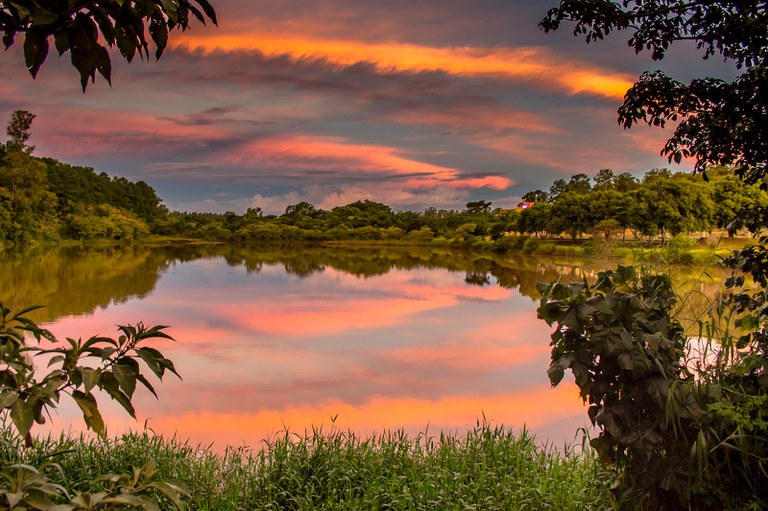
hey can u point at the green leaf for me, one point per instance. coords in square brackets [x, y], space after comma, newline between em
[7, 398]
[146, 383]
[159, 32]
[149, 356]
[22, 415]
[91, 414]
[90, 378]
[173, 491]
[171, 10]
[208, 10]
[125, 500]
[555, 373]
[126, 376]
[111, 385]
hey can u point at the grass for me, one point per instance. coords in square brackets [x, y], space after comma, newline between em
[488, 468]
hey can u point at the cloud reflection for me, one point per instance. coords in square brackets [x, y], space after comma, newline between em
[263, 351]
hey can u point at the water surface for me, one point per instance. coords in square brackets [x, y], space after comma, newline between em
[268, 340]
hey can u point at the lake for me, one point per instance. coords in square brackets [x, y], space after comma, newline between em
[268, 340]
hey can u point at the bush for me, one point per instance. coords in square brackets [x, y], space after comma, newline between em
[684, 436]
[679, 250]
[27, 398]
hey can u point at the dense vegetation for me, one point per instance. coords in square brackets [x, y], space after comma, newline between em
[687, 430]
[42, 199]
[661, 204]
[489, 468]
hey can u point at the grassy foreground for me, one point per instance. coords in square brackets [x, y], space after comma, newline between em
[486, 469]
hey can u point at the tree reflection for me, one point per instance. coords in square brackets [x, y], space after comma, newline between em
[77, 280]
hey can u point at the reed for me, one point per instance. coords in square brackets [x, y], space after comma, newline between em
[487, 468]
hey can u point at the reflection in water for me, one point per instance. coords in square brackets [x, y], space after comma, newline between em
[274, 339]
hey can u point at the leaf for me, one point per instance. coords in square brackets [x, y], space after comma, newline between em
[22, 415]
[90, 378]
[7, 398]
[172, 491]
[555, 373]
[159, 32]
[126, 376]
[125, 500]
[146, 383]
[35, 49]
[111, 386]
[149, 356]
[171, 10]
[8, 39]
[208, 10]
[61, 41]
[79, 44]
[125, 43]
[91, 414]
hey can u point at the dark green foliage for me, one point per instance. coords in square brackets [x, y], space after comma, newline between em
[686, 433]
[479, 206]
[19, 130]
[86, 28]
[696, 429]
[718, 122]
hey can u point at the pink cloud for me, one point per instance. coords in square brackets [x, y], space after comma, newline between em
[113, 132]
[311, 152]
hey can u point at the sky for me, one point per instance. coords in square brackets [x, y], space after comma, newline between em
[412, 104]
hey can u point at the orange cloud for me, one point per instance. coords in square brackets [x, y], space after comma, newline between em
[335, 153]
[529, 64]
[532, 408]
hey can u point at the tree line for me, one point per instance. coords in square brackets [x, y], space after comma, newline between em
[43, 199]
[661, 204]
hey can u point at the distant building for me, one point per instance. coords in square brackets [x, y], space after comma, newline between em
[524, 205]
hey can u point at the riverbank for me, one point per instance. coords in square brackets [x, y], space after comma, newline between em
[488, 468]
[678, 250]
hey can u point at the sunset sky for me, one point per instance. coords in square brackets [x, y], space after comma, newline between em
[413, 104]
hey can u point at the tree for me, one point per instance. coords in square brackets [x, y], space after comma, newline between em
[720, 122]
[579, 183]
[604, 179]
[656, 175]
[85, 28]
[558, 187]
[625, 182]
[680, 442]
[479, 206]
[536, 196]
[19, 131]
[571, 214]
[301, 209]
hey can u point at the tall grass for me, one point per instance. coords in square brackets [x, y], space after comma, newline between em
[488, 468]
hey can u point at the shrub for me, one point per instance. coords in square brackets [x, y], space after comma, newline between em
[27, 398]
[681, 440]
